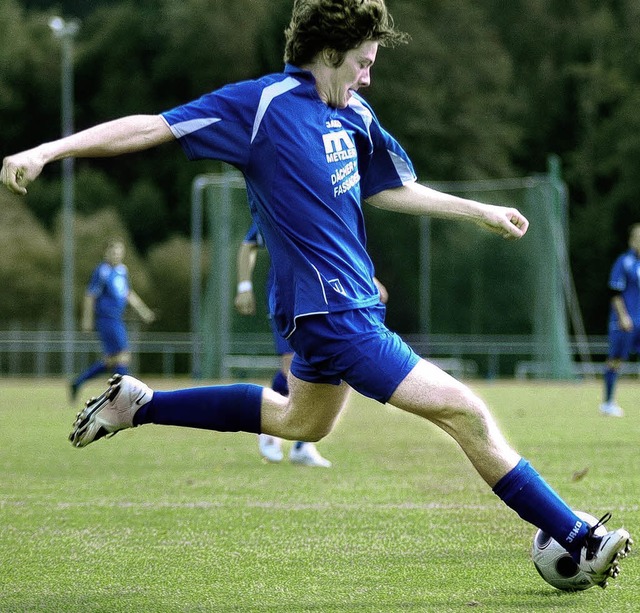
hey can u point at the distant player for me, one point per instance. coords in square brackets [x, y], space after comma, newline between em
[270, 447]
[107, 296]
[312, 152]
[624, 318]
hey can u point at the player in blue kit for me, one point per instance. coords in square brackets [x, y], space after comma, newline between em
[312, 151]
[107, 296]
[270, 447]
[245, 303]
[624, 318]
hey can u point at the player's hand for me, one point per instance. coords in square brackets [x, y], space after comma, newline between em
[506, 221]
[245, 303]
[19, 170]
[384, 294]
[148, 317]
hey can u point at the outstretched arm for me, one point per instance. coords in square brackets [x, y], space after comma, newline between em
[124, 135]
[417, 199]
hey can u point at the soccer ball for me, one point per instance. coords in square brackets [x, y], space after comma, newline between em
[554, 563]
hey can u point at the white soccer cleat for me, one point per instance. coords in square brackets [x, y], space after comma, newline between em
[270, 448]
[600, 557]
[611, 409]
[110, 412]
[308, 455]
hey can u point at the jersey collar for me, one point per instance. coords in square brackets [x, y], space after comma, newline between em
[290, 69]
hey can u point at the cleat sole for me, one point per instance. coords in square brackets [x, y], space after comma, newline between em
[614, 569]
[92, 408]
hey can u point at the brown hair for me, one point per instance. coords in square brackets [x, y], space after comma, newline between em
[340, 25]
[114, 240]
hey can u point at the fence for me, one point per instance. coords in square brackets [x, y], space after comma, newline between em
[40, 353]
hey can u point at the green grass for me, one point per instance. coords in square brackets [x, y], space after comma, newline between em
[172, 520]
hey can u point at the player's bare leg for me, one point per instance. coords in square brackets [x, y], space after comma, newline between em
[307, 414]
[303, 452]
[433, 394]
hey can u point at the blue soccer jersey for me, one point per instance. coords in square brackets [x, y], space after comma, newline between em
[307, 167]
[109, 285]
[625, 278]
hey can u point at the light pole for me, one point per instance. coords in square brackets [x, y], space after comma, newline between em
[66, 31]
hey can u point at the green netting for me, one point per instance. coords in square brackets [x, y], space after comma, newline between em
[481, 284]
[471, 282]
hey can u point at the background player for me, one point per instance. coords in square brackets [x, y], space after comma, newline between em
[105, 301]
[624, 318]
[270, 447]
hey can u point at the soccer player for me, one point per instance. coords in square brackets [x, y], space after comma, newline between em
[107, 296]
[624, 318]
[312, 152]
[270, 447]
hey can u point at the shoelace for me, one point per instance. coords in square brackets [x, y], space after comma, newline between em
[593, 542]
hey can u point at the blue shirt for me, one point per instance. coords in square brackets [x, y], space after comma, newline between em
[625, 278]
[109, 285]
[307, 168]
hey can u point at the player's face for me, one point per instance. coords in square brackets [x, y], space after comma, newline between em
[352, 74]
[115, 254]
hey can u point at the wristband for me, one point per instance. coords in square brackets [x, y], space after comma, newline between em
[245, 286]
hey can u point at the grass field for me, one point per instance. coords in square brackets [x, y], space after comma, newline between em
[170, 520]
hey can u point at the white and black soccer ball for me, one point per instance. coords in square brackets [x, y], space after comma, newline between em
[554, 563]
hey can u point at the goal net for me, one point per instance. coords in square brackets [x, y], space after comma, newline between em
[479, 284]
[467, 284]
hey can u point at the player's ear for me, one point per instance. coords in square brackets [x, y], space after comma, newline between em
[331, 57]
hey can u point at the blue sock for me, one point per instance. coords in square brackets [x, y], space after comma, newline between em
[610, 377]
[279, 383]
[93, 371]
[225, 408]
[528, 494]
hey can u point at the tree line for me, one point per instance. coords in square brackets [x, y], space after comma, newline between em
[485, 89]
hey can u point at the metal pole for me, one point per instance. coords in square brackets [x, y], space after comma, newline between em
[425, 276]
[198, 185]
[226, 180]
[66, 32]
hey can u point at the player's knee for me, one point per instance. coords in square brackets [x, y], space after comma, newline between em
[307, 431]
[309, 434]
[465, 411]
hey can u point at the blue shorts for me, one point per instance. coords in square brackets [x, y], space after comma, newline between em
[353, 346]
[622, 344]
[113, 335]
